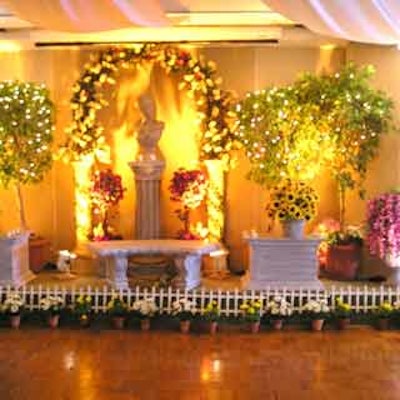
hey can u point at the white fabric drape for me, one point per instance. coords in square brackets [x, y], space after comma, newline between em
[368, 21]
[88, 15]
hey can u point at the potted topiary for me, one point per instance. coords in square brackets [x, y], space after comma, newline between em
[352, 116]
[26, 135]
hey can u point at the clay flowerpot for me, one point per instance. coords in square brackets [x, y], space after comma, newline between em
[15, 321]
[382, 324]
[343, 261]
[145, 324]
[184, 326]
[118, 322]
[343, 323]
[53, 320]
[317, 325]
[255, 327]
[213, 327]
[277, 324]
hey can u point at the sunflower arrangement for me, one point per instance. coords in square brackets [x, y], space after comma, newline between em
[292, 200]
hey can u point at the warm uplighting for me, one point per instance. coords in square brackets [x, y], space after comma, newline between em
[10, 46]
[82, 170]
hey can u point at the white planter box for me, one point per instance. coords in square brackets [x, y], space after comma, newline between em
[282, 263]
[14, 261]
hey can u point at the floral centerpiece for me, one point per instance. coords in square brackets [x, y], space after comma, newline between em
[83, 309]
[316, 310]
[278, 309]
[52, 307]
[189, 187]
[145, 309]
[13, 306]
[251, 312]
[184, 310]
[106, 191]
[383, 226]
[292, 200]
[212, 314]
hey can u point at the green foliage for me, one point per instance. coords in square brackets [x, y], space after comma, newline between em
[26, 125]
[353, 115]
[280, 135]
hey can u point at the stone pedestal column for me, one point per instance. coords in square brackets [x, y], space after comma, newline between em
[147, 177]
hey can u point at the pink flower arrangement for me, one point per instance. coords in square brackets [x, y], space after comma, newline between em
[107, 187]
[188, 187]
[384, 225]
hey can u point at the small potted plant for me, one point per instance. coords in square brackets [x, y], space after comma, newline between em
[83, 309]
[13, 306]
[342, 313]
[145, 309]
[251, 313]
[118, 310]
[278, 310]
[383, 314]
[52, 306]
[212, 315]
[184, 310]
[316, 311]
[344, 251]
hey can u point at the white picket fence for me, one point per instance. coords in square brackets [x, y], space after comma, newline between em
[362, 299]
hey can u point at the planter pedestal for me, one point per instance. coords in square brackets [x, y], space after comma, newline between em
[14, 261]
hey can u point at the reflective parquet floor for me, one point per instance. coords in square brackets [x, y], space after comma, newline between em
[102, 364]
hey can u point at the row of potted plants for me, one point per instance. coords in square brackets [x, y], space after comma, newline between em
[277, 312]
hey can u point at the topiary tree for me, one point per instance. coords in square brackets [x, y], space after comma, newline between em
[26, 136]
[354, 116]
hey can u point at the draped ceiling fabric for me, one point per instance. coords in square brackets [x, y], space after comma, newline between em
[368, 21]
[88, 15]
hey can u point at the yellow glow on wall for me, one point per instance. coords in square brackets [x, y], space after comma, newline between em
[82, 171]
[10, 46]
[215, 193]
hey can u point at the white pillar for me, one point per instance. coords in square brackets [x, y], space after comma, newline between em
[148, 191]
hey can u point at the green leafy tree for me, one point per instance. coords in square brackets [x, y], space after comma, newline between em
[26, 136]
[354, 116]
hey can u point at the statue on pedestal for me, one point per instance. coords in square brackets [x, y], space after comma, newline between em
[150, 131]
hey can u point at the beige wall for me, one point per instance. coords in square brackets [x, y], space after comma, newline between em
[50, 204]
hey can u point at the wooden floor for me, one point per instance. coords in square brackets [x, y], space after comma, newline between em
[66, 364]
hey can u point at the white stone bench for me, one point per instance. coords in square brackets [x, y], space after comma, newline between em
[187, 255]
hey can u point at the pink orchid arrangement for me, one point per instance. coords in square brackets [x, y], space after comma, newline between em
[384, 225]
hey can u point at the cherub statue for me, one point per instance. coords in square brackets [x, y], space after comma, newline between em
[150, 130]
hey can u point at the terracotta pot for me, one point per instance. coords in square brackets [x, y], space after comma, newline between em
[53, 321]
[277, 324]
[15, 321]
[343, 261]
[255, 327]
[84, 321]
[343, 323]
[145, 324]
[317, 325]
[213, 327]
[382, 324]
[184, 326]
[118, 322]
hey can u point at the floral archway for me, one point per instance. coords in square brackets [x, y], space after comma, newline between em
[198, 79]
